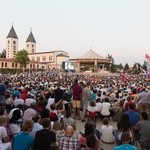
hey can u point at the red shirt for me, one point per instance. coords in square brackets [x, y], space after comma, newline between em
[77, 90]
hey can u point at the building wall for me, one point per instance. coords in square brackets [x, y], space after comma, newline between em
[50, 58]
[59, 61]
[11, 47]
[30, 47]
[12, 65]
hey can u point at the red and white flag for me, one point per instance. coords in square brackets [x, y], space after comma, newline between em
[147, 56]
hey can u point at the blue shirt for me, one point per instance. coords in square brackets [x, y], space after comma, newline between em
[125, 147]
[134, 117]
[23, 141]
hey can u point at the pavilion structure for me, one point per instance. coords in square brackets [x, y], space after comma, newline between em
[90, 61]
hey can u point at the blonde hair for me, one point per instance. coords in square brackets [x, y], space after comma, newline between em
[28, 124]
[57, 126]
[2, 120]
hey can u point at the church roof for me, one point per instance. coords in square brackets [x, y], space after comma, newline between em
[12, 33]
[31, 38]
[91, 55]
[62, 55]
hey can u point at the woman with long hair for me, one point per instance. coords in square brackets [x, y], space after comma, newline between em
[124, 126]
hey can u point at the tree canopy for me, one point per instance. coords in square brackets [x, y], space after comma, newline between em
[22, 58]
[3, 54]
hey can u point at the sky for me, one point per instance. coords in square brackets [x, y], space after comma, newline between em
[120, 28]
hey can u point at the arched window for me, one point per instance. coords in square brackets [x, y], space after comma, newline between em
[2, 64]
[5, 65]
[12, 65]
[14, 42]
[16, 65]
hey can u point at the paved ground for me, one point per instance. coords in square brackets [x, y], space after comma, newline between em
[80, 126]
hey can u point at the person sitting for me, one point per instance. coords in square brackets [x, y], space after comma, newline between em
[45, 139]
[15, 123]
[89, 129]
[105, 108]
[67, 120]
[107, 132]
[125, 138]
[124, 126]
[134, 117]
[4, 139]
[68, 142]
[143, 127]
[92, 110]
[92, 142]
[36, 125]
[24, 141]
[54, 114]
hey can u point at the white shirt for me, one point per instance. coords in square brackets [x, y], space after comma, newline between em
[49, 103]
[29, 101]
[105, 109]
[107, 134]
[29, 113]
[3, 134]
[92, 109]
[36, 127]
[18, 101]
[99, 106]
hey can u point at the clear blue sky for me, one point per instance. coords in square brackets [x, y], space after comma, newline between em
[117, 27]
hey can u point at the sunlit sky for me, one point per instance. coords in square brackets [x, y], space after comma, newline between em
[117, 27]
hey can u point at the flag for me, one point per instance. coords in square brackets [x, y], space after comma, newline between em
[145, 63]
[147, 56]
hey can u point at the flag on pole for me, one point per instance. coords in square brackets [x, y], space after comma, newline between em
[145, 63]
[147, 56]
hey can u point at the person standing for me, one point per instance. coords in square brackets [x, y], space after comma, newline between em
[77, 95]
[85, 99]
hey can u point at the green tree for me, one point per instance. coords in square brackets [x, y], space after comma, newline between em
[111, 67]
[120, 66]
[22, 58]
[126, 67]
[3, 54]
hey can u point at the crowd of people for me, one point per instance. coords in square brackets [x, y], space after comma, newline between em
[39, 111]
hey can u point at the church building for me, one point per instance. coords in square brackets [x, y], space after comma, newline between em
[38, 60]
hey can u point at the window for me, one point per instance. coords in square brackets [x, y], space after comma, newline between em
[8, 42]
[27, 45]
[32, 45]
[38, 58]
[16, 65]
[37, 66]
[32, 50]
[2, 64]
[14, 42]
[30, 65]
[12, 65]
[44, 58]
[50, 58]
[5, 65]
[33, 65]
[32, 58]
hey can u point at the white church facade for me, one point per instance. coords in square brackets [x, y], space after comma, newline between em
[38, 60]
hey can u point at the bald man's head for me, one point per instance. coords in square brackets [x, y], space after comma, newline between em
[69, 131]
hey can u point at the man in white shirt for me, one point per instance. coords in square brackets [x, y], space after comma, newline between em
[18, 101]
